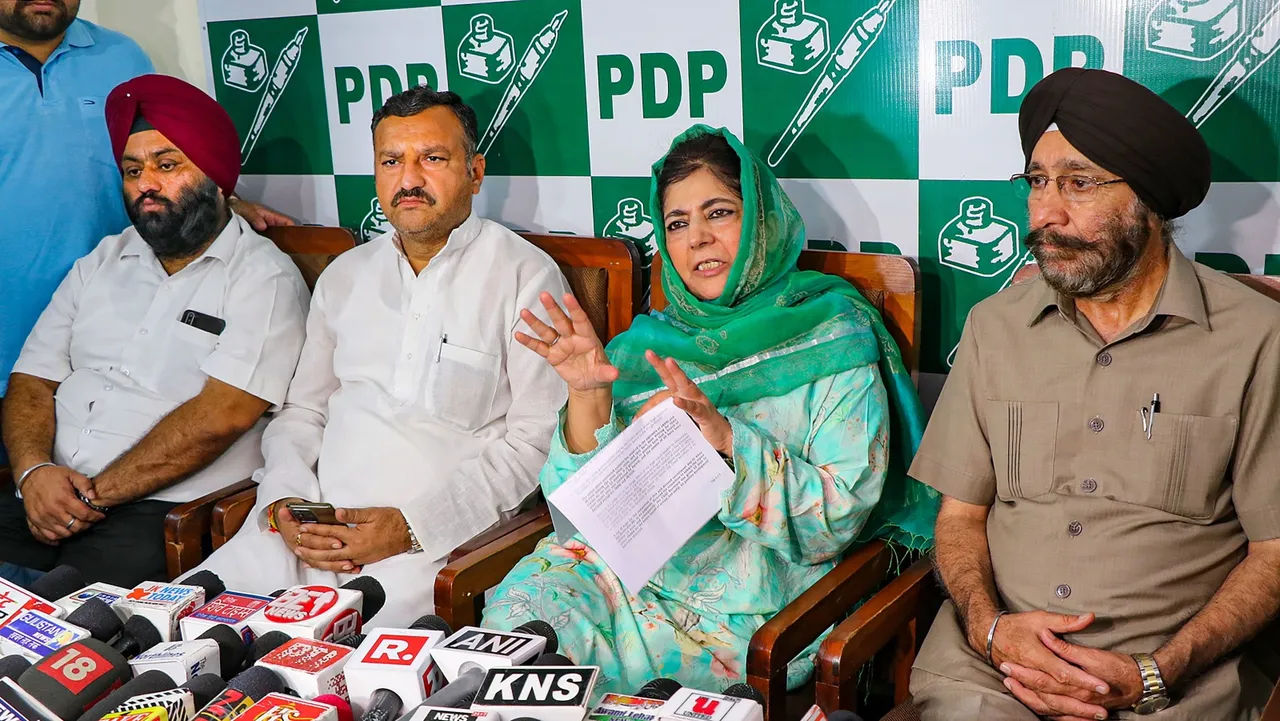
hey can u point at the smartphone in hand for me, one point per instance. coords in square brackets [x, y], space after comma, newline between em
[313, 513]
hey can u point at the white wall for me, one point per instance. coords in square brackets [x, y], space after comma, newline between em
[169, 30]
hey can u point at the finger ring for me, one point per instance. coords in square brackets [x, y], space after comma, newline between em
[71, 523]
[557, 340]
[297, 540]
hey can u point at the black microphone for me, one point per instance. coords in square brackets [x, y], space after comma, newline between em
[265, 644]
[432, 622]
[544, 629]
[462, 691]
[231, 649]
[385, 705]
[204, 687]
[96, 617]
[142, 684]
[58, 582]
[659, 689]
[352, 641]
[242, 692]
[745, 691]
[13, 666]
[138, 635]
[374, 595]
[843, 715]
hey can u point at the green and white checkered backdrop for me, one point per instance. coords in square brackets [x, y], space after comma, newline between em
[893, 123]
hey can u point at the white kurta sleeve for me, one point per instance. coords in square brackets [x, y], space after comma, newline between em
[291, 442]
[506, 471]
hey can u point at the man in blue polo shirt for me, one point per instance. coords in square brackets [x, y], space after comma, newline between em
[59, 185]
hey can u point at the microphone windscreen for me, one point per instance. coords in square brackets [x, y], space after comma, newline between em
[659, 689]
[96, 617]
[431, 622]
[265, 644]
[204, 687]
[843, 715]
[352, 641]
[208, 580]
[142, 631]
[552, 659]
[742, 690]
[543, 629]
[231, 648]
[13, 666]
[140, 685]
[344, 708]
[375, 596]
[61, 581]
[278, 592]
[256, 682]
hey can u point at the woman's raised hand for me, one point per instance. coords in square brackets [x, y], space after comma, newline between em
[569, 344]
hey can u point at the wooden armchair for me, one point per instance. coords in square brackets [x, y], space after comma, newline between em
[902, 611]
[892, 284]
[187, 528]
[603, 273]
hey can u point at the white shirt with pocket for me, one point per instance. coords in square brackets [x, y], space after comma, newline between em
[412, 392]
[115, 340]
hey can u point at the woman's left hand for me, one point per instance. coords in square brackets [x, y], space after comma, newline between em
[689, 398]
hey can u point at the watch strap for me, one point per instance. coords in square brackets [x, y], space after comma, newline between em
[1152, 681]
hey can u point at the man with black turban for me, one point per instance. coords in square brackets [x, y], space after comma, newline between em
[1106, 444]
[145, 380]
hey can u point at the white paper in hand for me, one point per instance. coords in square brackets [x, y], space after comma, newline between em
[640, 498]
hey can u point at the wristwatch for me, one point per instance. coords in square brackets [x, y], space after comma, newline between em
[414, 546]
[1155, 697]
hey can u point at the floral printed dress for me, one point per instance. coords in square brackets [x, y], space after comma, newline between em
[810, 467]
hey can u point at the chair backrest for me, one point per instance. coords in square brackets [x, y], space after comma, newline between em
[604, 275]
[890, 282]
[312, 247]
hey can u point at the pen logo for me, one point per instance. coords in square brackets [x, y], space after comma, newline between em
[244, 67]
[486, 53]
[1258, 47]
[793, 40]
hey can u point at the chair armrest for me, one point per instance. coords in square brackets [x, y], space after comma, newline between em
[788, 633]
[229, 514]
[460, 585]
[1272, 710]
[900, 611]
[517, 521]
[187, 525]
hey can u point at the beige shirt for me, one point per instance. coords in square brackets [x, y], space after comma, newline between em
[113, 339]
[1040, 419]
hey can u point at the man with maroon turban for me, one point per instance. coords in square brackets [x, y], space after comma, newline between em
[145, 380]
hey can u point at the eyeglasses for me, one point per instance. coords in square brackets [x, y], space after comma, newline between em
[1075, 188]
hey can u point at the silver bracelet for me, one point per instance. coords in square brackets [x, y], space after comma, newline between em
[23, 478]
[991, 634]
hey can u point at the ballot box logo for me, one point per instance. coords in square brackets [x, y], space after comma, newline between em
[486, 53]
[792, 40]
[620, 207]
[631, 222]
[268, 76]
[1194, 29]
[1215, 61]
[520, 66]
[375, 222]
[829, 86]
[970, 248]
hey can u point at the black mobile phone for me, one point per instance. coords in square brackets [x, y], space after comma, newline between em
[313, 513]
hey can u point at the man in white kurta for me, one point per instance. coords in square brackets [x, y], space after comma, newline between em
[413, 410]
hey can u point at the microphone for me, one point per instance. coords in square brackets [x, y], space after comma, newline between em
[219, 649]
[321, 612]
[279, 707]
[242, 692]
[473, 647]
[96, 617]
[394, 668]
[264, 645]
[138, 636]
[339, 704]
[141, 685]
[545, 692]
[352, 641]
[18, 705]
[13, 666]
[73, 678]
[204, 688]
[104, 592]
[310, 667]
[462, 690]
[739, 702]
[643, 705]
[175, 704]
[58, 582]
[230, 608]
[165, 604]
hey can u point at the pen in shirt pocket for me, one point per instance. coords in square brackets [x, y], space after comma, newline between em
[440, 348]
[1148, 414]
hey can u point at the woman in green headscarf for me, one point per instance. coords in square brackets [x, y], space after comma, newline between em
[794, 380]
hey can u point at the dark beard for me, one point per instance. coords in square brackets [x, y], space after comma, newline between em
[1094, 268]
[46, 28]
[184, 227]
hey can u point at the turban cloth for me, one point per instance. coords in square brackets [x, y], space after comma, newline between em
[190, 119]
[1125, 128]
